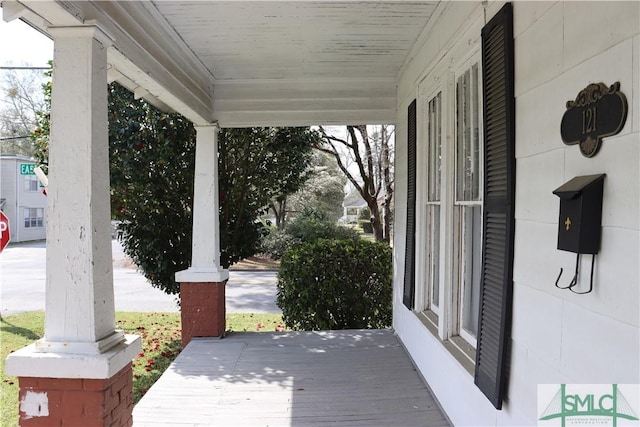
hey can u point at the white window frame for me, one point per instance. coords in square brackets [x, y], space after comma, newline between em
[447, 315]
[439, 316]
[461, 204]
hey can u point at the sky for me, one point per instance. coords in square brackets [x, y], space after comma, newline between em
[22, 45]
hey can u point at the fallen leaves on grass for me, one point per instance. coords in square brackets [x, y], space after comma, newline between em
[160, 335]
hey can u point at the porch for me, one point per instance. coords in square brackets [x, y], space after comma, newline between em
[356, 377]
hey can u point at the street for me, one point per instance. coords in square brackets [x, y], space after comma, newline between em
[23, 272]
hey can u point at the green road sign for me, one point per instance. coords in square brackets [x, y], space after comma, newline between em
[27, 168]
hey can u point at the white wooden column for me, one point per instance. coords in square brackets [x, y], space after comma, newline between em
[80, 313]
[205, 257]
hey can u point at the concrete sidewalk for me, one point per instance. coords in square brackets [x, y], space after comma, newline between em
[23, 272]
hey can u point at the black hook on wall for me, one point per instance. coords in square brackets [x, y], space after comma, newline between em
[574, 281]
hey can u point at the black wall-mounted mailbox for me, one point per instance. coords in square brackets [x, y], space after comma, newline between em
[579, 225]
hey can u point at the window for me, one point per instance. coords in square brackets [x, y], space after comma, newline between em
[468, 202]
[33, 217]
[453, 206]
[434, 183]
[30, 183]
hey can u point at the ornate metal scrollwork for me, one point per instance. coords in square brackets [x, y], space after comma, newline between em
[597, 112]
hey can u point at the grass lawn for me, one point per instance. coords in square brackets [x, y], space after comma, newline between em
[160, 334]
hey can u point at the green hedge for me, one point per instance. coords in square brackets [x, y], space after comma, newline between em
[310, 225]
[366, 225]
[336, 284]
[313, 224]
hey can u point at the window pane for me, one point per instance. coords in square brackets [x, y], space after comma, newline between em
[434, 183]
[434, 254]
[472, 259]
[467, 137]
[475, 146]
[30, 183]
[459, 138]
[33, 217]
[434, 149]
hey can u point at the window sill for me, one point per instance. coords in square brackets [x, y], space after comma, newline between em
[461, 350]
[430, 320]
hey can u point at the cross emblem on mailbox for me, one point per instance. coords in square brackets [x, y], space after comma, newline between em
[567, 223]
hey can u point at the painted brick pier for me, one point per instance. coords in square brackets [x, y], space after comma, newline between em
[77, 402]
[202, 310]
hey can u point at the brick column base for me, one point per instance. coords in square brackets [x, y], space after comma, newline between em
[202, 310]
[77, 401]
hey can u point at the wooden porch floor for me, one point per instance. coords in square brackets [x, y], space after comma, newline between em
[350, 378]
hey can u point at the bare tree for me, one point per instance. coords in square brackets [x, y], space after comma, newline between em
[21, 97]
[370, 149]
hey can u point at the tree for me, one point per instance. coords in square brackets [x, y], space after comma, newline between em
[371, 151]
[21, 101]
[40, 135]
[152, 160]
[324, 189]
[291, 157]
[259, 168]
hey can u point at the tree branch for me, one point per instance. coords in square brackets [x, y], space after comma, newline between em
[334, 152]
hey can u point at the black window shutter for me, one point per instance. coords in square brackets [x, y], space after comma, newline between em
[494, 332]
[410, 253]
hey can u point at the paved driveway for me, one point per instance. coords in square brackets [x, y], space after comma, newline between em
[23, 271]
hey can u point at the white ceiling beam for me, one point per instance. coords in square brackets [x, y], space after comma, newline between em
[231, 119]
[304, 88]
[245, 103]
[12, 10]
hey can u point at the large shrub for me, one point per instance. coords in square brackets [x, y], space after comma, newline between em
[309, 226]
[277, 242]
[336, 284]
[364, 221]
[313, 224]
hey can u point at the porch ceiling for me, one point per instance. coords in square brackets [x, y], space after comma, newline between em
[246, 63]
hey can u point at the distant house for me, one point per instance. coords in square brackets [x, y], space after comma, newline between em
[22, 200]
[353, 205]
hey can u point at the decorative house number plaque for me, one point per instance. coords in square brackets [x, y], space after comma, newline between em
[597, 112]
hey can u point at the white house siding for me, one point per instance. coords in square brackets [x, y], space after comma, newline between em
[8, 191]
[557, 336]
[17, 199]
